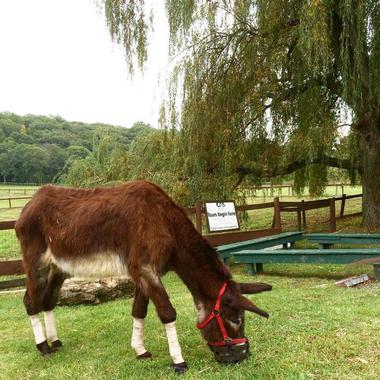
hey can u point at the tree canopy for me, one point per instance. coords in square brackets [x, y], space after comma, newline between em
[35, 149]
[268, 88]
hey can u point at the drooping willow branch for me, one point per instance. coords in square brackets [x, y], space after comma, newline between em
[291, 167]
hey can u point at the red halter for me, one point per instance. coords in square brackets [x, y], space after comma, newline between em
[227, 341]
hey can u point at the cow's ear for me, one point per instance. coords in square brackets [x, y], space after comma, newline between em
[254, 287]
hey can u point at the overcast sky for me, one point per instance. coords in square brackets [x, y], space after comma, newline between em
[57, 58]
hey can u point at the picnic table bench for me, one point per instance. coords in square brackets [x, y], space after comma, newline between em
[306, 256]
[284, 239]
[327, 240]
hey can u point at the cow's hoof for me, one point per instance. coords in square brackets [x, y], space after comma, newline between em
[44, 348]
[180, 367]
[56, 344]
[145, 355]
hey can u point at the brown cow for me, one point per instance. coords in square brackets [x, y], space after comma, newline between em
[132, 230]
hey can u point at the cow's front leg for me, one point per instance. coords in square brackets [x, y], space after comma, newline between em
[139, 311]
[153, 288]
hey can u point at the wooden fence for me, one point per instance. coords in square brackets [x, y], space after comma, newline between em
[14, 267]
[302, 206]
[268, 189]
[9, 200]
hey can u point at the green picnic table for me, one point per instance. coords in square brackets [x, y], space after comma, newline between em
[307, 256]
[285, 239]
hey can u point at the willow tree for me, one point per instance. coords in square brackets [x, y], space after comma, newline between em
[267, 84]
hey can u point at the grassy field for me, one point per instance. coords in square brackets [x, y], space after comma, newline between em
[315, 331]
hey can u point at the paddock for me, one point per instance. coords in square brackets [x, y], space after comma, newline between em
[320, 332]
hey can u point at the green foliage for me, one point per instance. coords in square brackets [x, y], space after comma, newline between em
[133, 34]
[106, 163]
[263, 85]
[37, 148]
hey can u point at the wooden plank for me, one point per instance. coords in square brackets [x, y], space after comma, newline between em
[14, 198]
[307, 205]
[310, 205]
[260, 243]
[257, 206]
[343, 238]
[8, 225]
[342, 206]
[11, 267]
[349, 197]
[352, 281]
[332, 215]
[299, 221]
[277, 213]
[233, 237]
[305, 256]
[353, 214]
[313, 251]
[8, 284]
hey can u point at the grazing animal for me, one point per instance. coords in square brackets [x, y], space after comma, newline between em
[132, 230]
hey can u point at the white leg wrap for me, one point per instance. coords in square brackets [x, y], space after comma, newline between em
[51, 330]
[174, 347]
[38, 331]
[137, 342]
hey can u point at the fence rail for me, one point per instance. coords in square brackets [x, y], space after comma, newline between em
[269, 190]
[10, 199]
[301, 207]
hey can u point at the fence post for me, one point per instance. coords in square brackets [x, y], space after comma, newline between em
[277, 213]
[303, 213]
[299, 221]
[332, 215]
[198, 217]
[342, 206]
[10, 202]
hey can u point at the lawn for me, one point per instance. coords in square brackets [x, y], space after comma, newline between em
[315, 331]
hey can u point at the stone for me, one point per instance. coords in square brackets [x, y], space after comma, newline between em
[79, 291]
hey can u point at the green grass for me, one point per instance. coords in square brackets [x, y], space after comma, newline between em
[315, 331]
[9, 246]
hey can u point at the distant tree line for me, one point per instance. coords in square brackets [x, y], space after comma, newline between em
[36, 149]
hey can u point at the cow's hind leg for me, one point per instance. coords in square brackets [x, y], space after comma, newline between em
[139, 311]
[50, 299]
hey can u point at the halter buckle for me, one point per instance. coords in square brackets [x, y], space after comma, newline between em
[228, 341]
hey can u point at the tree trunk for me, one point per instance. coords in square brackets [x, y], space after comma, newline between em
[370, 146]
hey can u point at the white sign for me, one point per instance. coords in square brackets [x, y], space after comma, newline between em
[221, 216]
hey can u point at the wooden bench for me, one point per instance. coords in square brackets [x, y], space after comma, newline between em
[306, 256]
[327, 240]
[284, 239]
